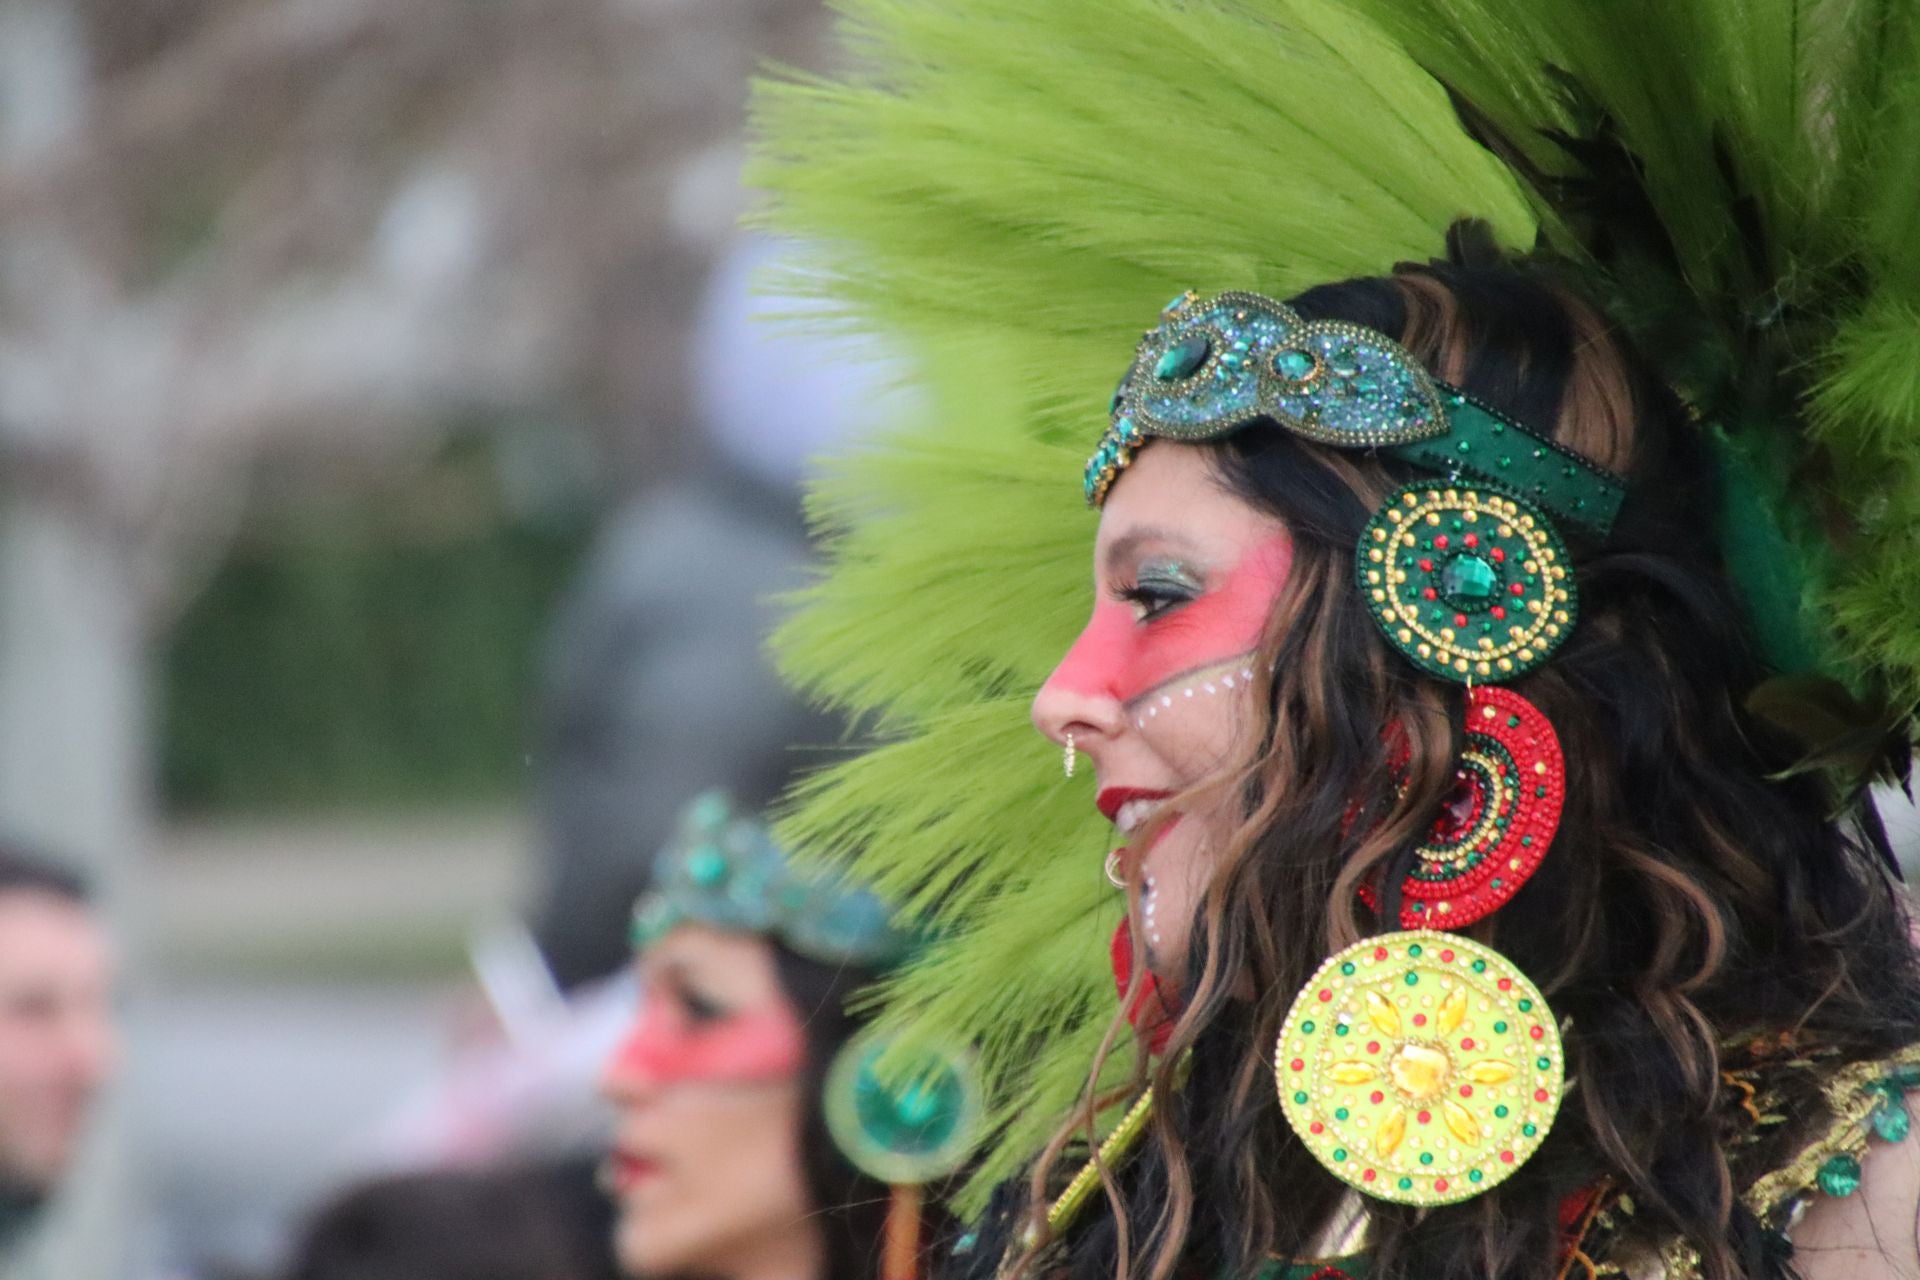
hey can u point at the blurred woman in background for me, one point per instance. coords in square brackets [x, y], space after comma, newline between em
[722, 1164]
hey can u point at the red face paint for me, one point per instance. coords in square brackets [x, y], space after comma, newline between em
[1147, 1011]
[1125, 658]
[666, 1046]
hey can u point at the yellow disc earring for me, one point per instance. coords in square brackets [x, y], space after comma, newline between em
[1068, 757]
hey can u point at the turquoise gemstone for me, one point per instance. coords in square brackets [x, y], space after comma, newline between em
[1179, 300]
[1344, 363]
[1891, 1122]
[706, 866]
[1181, 359]
[1470, 578]
[1839, 1176]
[1294, 364]
[917, 1106]
[916, 1118]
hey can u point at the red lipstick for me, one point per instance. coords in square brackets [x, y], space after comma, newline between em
[625, 1171]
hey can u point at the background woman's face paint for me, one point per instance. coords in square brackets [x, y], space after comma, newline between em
[668, 1045]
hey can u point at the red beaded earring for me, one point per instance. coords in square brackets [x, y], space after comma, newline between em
[1496, 823]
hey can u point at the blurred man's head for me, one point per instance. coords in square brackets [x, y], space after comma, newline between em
[57, 1040]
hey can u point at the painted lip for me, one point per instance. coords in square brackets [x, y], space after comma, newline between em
[1110, 799]
[627, 1170]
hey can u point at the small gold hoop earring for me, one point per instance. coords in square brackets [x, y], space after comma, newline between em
[1069, 757]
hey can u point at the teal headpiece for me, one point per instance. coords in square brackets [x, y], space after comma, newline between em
[1214, 365]
[1466, 575]
[724, 869]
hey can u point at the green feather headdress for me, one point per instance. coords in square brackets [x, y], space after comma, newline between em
[1009, 188]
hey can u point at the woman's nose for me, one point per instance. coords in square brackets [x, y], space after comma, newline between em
[1081, 696]
[631, 1073]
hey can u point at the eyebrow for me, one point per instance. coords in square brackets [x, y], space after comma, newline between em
[1128, 544]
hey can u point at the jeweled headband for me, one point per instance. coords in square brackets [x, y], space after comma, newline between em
[1214, 365]
[723, 869]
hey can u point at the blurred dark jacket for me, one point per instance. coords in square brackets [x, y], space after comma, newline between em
[659, 686]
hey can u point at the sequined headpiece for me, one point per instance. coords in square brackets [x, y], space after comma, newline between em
[1214, 365]
[724, 869]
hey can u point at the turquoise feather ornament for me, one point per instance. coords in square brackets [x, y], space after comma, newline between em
[1007, 189]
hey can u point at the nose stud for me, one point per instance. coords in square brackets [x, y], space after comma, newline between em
[1068, 757]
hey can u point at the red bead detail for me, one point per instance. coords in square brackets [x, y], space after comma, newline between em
[1430, 594]
[1463, 831]
[1376, 1097]
[1472, 539]
[1325, 995]
[1316, 1127]
[1466, 1091]
[1440, 543]
[1425, 1117]
[1297, 1065]
[1366, 1176]
[1498, 555]
[1467, 1044]
[1537, 1033]
[1459, 619]
[1499, 611]
[1507, 1157]
[1440, 1184]
[1539, 1095]
[1446, 957]
[1419, 1019]
[1505, 984]
[1379, 953]
[1373, 1046]
[1426, 566]
[1518, 588]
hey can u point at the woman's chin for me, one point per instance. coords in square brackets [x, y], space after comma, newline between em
[644, 1249]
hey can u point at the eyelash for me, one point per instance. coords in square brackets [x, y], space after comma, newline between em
[700, 1009]
[1152, 600]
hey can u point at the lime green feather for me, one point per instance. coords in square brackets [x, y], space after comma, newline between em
[1012, 190]
[1009, 189]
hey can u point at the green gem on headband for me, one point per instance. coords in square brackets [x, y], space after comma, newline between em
[724, 869]
[1470, 584]
[1215, 365]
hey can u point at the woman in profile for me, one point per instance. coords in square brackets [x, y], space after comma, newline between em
[723, 1164]
[1479, 646]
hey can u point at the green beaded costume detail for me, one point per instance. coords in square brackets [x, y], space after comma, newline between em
[903, 1118]
[725, 870]
[1216, 365]
[1470, 584]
